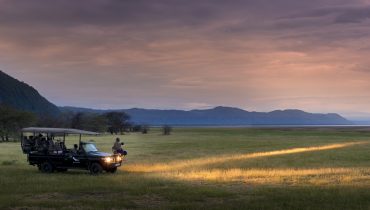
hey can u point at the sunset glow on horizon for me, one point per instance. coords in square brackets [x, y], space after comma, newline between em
[176, 54]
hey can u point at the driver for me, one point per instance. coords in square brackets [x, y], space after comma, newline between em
[74, 152]
[75, 149]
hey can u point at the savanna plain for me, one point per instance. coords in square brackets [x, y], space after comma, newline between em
[205, 168]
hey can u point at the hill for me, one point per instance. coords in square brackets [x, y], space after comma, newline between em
[21, 96]
[224, 116]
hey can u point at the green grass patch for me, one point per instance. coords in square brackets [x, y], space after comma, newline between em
[205, 168]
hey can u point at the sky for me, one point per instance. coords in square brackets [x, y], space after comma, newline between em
[258, 55]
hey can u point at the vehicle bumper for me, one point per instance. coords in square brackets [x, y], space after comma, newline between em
[112, 165]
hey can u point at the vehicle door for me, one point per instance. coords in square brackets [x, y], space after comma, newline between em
[77, 160]
[81, 159]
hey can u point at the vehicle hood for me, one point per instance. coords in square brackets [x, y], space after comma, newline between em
[99, 154]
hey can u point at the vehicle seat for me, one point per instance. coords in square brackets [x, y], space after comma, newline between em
[26, 146]
[58, 149]
[51, 146]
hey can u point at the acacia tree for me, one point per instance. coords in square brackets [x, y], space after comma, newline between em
[117, 122]
[62, 120]
[145, 129]
[166, 129]
[89, 121]
[94, 122]
[12, 120]
[76, 121]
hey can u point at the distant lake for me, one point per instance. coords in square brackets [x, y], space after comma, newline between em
[270, 126]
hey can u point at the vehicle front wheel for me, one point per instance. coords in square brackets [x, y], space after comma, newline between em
[46, 167]
[95, 168]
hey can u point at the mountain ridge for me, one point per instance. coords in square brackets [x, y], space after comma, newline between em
[223, 116]
[22, 96]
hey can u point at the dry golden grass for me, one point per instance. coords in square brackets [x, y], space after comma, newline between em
[290, 176]
[196, 170]
[180, 165]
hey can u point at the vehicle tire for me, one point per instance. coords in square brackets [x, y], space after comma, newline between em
[112, 170]
[95, 168]
[46, 167]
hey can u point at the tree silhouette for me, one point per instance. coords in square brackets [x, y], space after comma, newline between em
[117, 122]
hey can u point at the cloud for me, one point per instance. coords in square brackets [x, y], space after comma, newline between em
[354, 15]
[184, 53]
[326, 16]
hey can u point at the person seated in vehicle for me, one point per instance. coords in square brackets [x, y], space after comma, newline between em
[63, 146]
[26, 145]
[51, 145]
[44, 146]
[75, 150]
[73, 153]
[117, 147]
[39, 143]
[32, 141]
[58, 147]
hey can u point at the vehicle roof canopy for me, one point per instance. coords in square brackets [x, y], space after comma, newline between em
[58, 131]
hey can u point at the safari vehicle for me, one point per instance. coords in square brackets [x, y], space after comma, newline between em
[45, 148]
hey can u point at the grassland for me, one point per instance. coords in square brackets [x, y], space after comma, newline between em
[199, 168]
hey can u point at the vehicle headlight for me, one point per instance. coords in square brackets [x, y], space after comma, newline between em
[119, 158]
[108, 159]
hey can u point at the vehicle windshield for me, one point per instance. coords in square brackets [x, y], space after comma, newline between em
[89, 148]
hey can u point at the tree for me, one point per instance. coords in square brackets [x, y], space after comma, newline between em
[62, 120]
[144, 129]
[76, 121]
[166, 130]
[89, 121]
[94, 122]
[12, 120]
[136, 128]
[117, 122]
